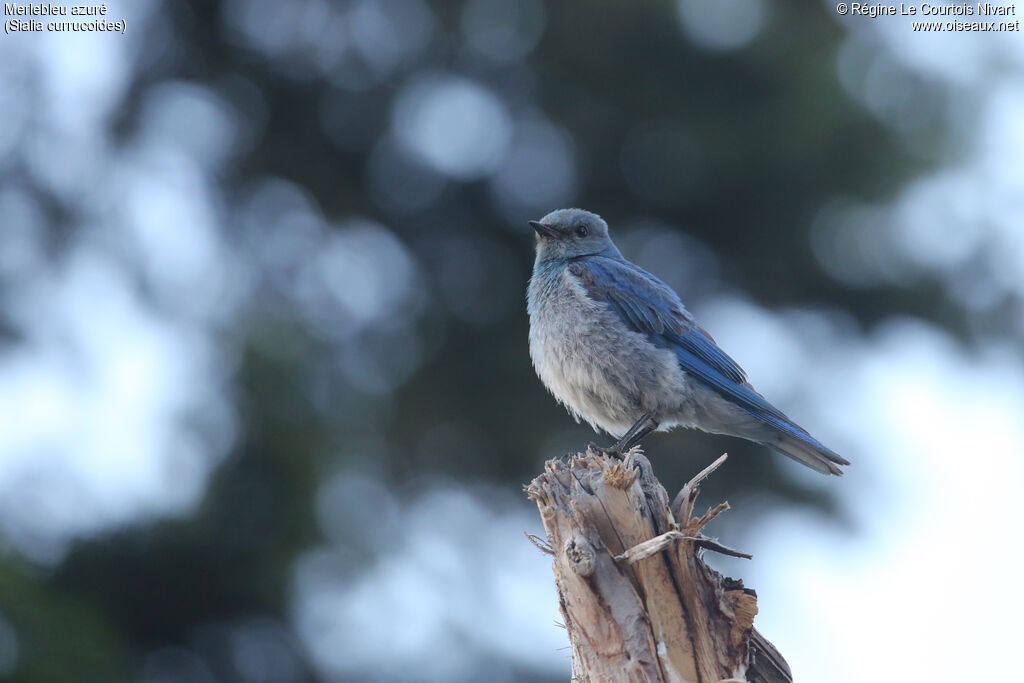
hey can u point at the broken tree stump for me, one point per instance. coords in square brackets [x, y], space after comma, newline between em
[638, 601]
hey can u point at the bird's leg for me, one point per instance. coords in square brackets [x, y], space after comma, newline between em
[644, 426]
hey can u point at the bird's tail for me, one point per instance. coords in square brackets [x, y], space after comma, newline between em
[808, 450]
[755, 419]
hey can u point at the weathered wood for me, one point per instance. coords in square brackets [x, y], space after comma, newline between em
[638, 601]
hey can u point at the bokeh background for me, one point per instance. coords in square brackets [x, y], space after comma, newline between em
[266, 405]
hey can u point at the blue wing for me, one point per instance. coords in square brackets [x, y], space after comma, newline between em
[650, 307]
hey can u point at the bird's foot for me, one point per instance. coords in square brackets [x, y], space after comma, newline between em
[644, 426]
[611, 451]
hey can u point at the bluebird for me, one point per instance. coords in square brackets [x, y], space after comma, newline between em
[616, 346]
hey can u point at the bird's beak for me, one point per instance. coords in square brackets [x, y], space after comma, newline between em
[543, 230]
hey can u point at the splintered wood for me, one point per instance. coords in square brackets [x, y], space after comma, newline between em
[638, 601]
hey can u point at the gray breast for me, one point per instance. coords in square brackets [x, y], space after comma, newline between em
[591, 362]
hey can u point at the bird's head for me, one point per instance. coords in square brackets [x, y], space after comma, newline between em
[572, 233]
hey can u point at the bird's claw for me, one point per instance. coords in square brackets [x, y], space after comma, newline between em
[611, 451]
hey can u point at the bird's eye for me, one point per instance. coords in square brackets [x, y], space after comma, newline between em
[582, 230]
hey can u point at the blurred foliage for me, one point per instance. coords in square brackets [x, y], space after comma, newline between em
[736, 149]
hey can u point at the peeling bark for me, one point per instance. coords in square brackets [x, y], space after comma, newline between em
[638, 601]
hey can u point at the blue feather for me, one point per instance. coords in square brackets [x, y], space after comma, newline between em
[649, 306]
